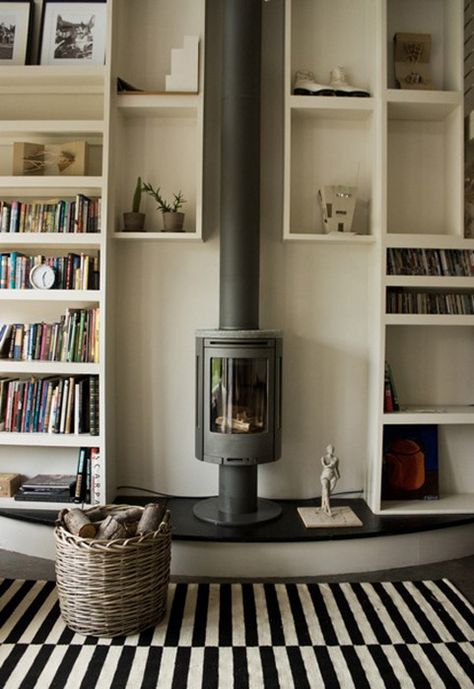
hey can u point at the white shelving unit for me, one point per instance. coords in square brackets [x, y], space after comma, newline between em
[404, 150]
[329, 140]
[48, 104]
[158, 135]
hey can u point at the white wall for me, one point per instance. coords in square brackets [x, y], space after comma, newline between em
[316, 295]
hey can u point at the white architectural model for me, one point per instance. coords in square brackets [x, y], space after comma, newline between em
[338, 206]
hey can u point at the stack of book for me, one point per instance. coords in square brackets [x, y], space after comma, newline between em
[47, 488]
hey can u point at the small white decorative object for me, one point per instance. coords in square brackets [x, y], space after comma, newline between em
[42, 276]
[337, 205]
[329, 477]
[184, 66]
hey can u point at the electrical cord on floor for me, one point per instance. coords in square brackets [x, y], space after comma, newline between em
[204, 497]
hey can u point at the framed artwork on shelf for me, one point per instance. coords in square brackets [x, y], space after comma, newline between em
[15, 26]
[73, 33]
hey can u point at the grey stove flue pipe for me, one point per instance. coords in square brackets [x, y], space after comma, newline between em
[240, 166]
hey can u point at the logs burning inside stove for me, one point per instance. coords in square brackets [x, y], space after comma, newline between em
[238, 395]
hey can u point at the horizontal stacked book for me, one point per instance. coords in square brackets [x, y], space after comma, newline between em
[47, 488]
[440, 262]
[401, 300]
[60, 404]
[75, 338]
[81, 214]
[73, 271]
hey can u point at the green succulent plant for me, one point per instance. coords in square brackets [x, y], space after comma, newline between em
[137, 196]
[164, 205]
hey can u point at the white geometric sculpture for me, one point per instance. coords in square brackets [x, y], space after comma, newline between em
[338, 205]
[184, 66]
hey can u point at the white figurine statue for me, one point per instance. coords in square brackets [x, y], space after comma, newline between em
[329, 476]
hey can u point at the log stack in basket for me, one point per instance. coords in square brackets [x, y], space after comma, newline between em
[111, 522]
[112, 567]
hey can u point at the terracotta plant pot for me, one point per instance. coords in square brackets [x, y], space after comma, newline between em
[133, 222]
[173, 222]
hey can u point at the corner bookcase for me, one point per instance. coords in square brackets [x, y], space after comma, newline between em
[151, 133]
[404, 150]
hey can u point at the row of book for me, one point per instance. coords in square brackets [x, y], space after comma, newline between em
[83, 487]
[390, 402]
[81, 214]
[60, 404]
[440, 262]
[75, 338]
[73, 271]
[404, 301]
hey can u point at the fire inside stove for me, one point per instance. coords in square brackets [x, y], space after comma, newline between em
[239, 393]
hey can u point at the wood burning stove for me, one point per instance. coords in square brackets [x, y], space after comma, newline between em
[238, 415]
[238, 410]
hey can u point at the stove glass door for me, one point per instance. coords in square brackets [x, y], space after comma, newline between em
[239, 395]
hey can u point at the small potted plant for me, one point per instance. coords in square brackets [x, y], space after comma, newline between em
[134, 220]
[173, 217]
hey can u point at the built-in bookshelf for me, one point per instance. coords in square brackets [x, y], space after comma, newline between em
[58, 342]
[403, 149]
[52, 337]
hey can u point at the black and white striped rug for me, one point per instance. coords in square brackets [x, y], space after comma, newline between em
[408, 635]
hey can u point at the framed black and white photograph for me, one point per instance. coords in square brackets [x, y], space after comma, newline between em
[73, 33]
[15, 22]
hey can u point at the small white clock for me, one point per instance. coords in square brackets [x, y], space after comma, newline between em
[42, 276]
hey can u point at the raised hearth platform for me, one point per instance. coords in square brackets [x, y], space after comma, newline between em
[283, 547]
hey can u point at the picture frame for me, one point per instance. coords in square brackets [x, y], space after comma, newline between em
[15, 31]
[73, 33]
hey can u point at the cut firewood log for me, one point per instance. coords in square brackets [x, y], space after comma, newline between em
[111, 528]
[127, 514]
[97, 514]
[151, 518]
[78, 523]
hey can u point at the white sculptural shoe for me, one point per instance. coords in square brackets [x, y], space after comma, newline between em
[341, 86]
[305, 85]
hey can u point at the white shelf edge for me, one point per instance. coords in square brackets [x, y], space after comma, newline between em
[427, 241]
[461, 503]
[157, 236]
[9, 366]
[423, 96]
[441, 414]
[327, 106]
[83, 239]
[159, 105]
[441, 281]
[66, 295]
[11, 503]
[329, 238]
[426, 319]
[51, 182]
[50, 439]
[51, 126]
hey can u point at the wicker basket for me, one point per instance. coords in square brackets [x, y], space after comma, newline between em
[114, 587]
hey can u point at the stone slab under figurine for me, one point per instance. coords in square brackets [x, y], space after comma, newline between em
[327, 516]
[412, 60]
